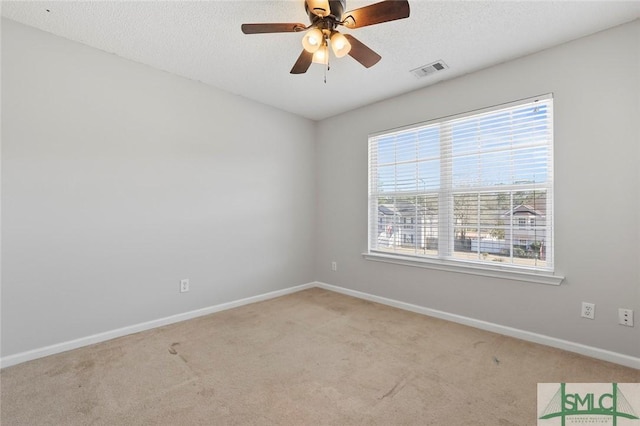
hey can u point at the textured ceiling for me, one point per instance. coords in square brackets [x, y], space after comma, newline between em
[201, 40]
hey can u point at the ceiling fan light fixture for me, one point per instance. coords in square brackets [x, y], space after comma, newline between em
[312, 40]
[340, 45]
[321, 56]
[325, 16]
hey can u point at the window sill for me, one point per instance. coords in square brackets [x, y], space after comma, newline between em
[464, 268]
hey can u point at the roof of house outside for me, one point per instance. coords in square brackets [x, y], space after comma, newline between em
[523, 209]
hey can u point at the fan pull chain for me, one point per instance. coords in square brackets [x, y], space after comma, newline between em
[325, 71]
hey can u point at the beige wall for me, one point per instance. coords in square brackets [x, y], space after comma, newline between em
[596, 86]
[118, 180]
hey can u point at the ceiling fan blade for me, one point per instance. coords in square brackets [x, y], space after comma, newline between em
[377, 13]
[272, 28]
[302, 64]
[361, 53]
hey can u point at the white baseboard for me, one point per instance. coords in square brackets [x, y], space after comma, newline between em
[136, 328]
[590, 351]
[626, 360]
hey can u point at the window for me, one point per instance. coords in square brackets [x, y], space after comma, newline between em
[478, 187]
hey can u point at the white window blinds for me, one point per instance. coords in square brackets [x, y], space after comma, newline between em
[476, 187]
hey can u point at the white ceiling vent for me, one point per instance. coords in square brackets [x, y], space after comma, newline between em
[429, 69]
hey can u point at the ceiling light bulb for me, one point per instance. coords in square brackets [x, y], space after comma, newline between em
[340, 45]
[312, 40]
[321, 56]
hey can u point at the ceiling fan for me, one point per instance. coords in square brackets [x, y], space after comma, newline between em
[325, 17]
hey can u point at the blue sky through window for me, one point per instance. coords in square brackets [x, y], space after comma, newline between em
[498, 148]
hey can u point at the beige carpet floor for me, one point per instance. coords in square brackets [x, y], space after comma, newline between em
[313, 357]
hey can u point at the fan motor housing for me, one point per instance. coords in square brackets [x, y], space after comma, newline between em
[337, 8]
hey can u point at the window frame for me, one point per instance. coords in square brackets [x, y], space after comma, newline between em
[546, 275]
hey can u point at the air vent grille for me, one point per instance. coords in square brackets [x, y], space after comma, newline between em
[429, 69]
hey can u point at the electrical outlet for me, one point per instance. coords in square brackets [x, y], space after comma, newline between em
[625, 317]
[184, 285]
[334, 266]
[588, 310]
